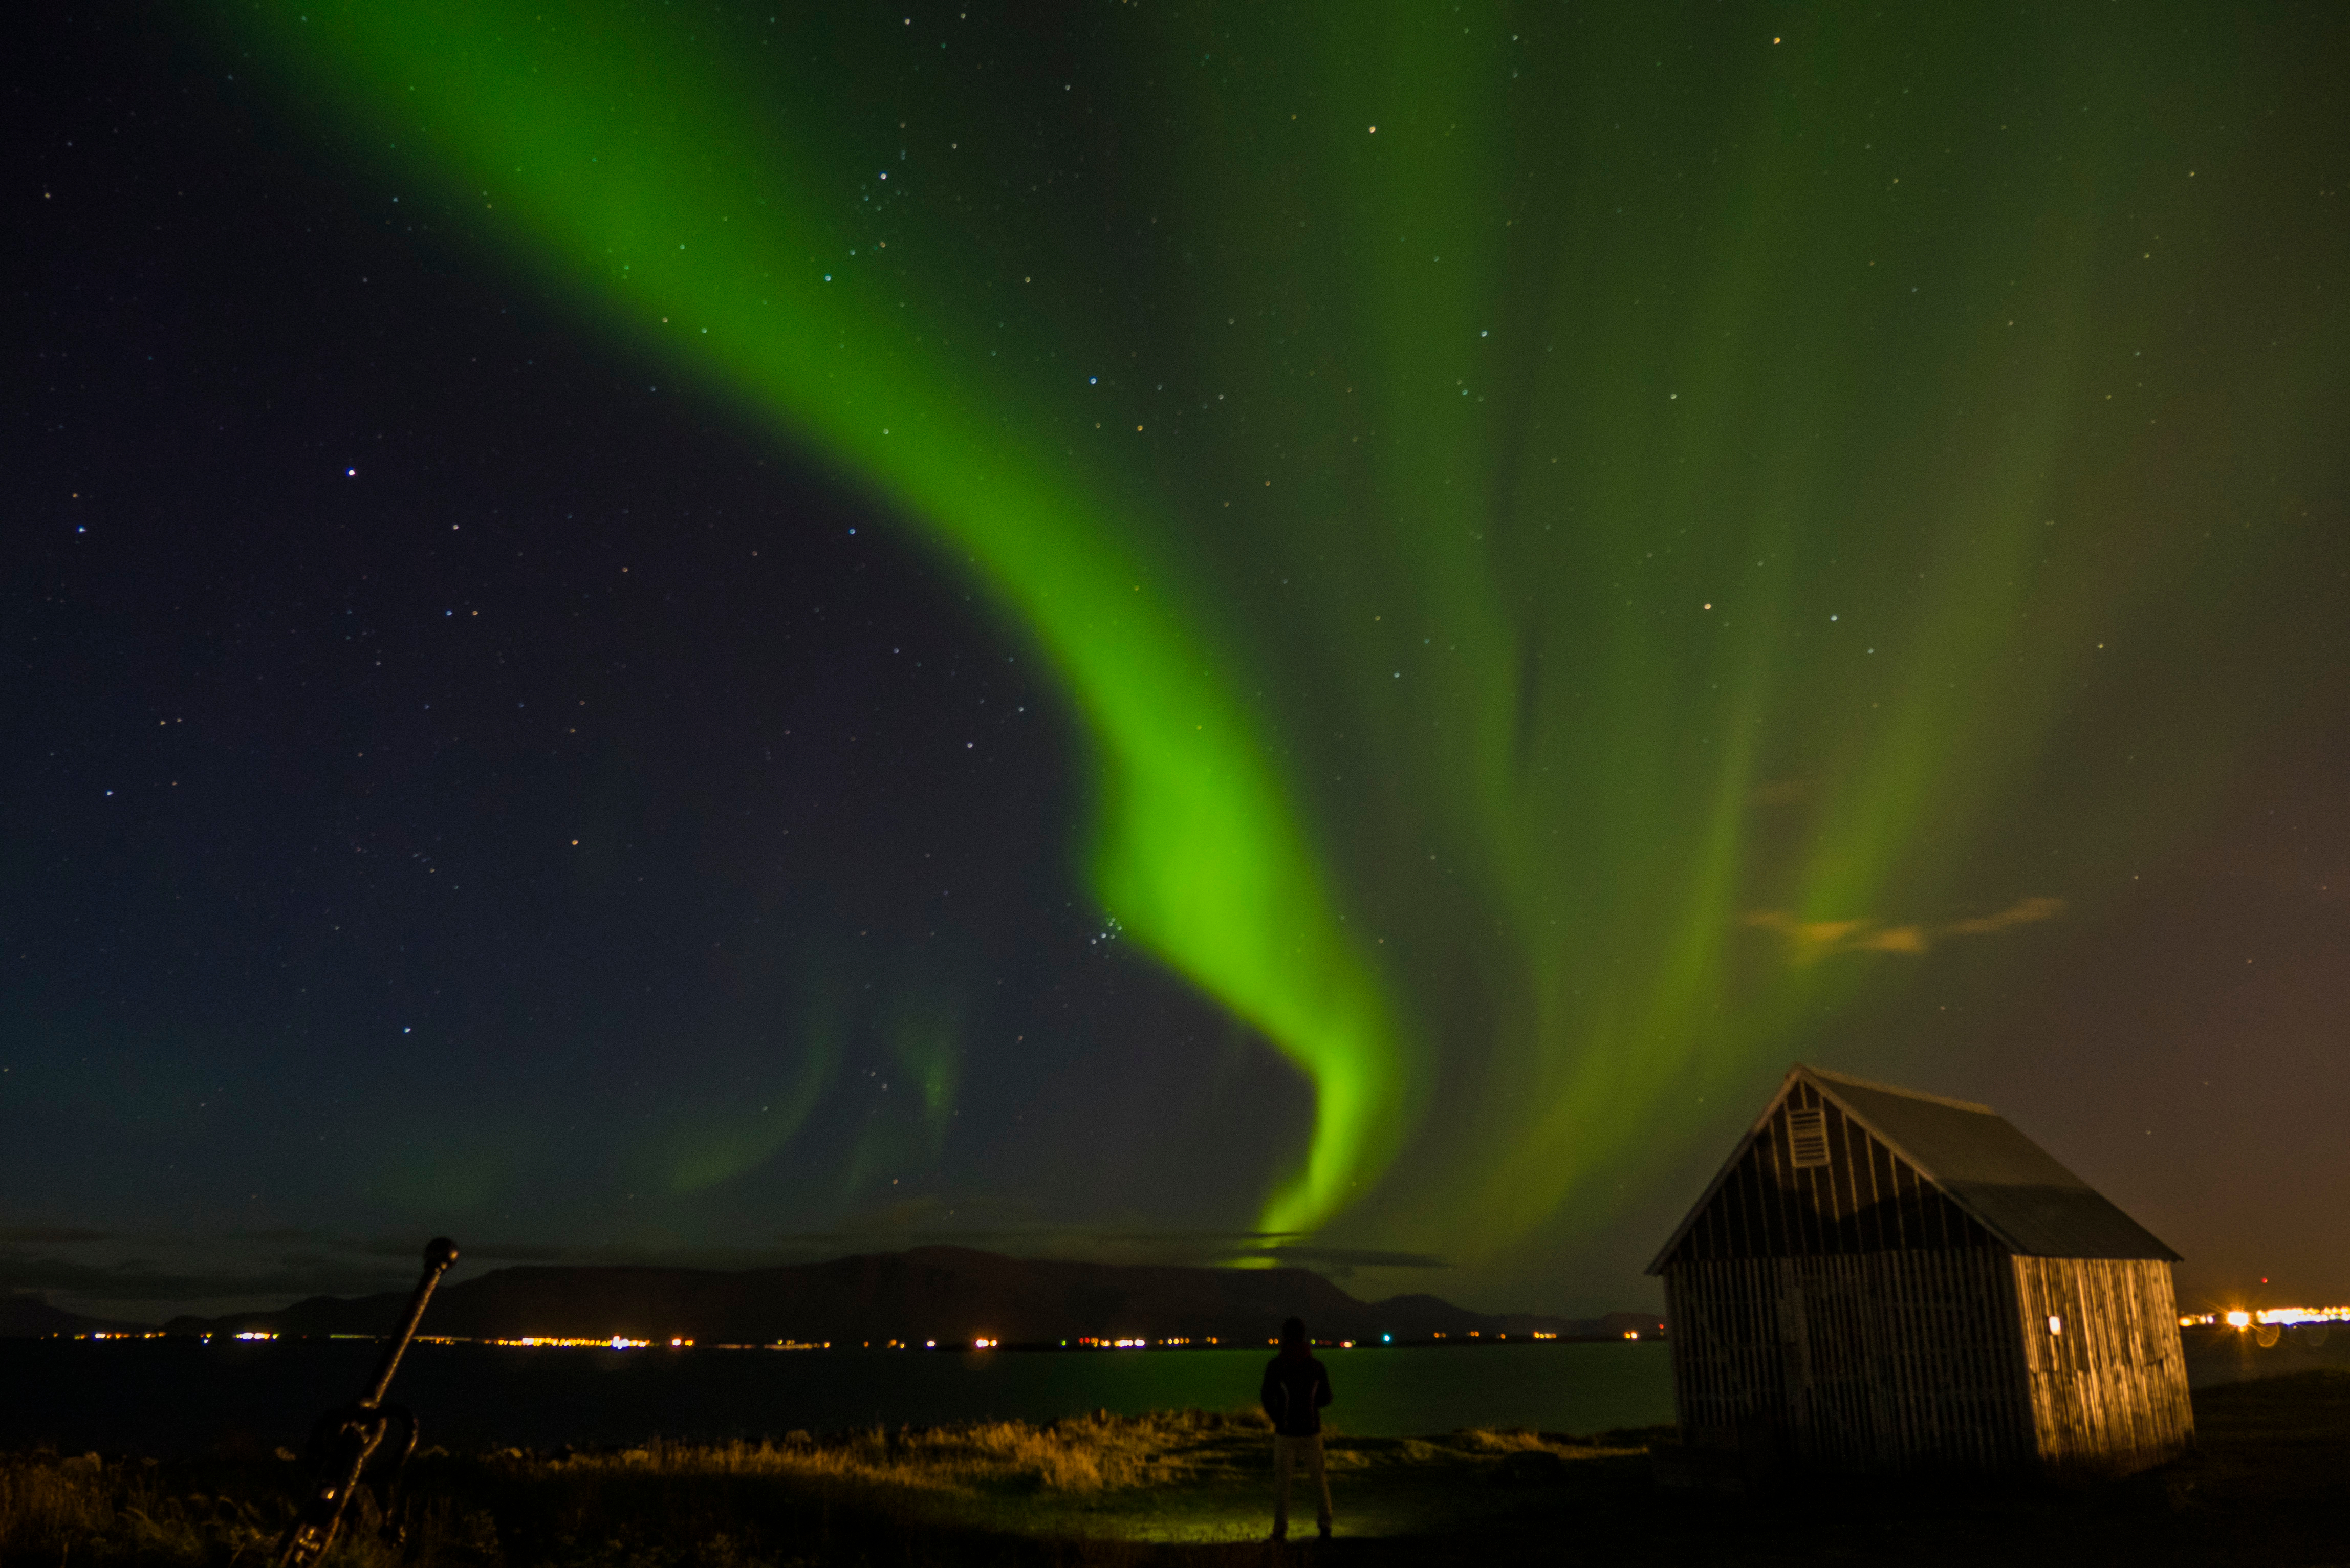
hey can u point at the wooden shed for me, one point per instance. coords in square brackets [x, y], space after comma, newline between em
[1884, 1281]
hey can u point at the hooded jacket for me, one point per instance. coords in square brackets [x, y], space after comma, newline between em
[1296, 1388]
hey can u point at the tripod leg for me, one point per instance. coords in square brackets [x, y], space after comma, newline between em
[391, 1484]
[311, 1535]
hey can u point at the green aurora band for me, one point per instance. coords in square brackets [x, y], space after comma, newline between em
[1572, 534]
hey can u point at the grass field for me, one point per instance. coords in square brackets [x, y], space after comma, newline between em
[2269, 1485]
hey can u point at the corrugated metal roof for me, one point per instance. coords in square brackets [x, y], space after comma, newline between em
[2015, 1188]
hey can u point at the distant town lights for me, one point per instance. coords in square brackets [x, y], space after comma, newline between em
[562, 1342]
[2279, 1316]
[2288, 1315]
[2267, 1317]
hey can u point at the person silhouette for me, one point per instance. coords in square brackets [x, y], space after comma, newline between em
[1297, 1387]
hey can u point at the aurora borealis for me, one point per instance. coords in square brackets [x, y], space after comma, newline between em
[1586, 553]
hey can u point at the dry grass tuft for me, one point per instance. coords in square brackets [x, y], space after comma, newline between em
[731, 1505]
[1507, 1440]
[61, 1509]
[1084, 1491]
[1095, 1453]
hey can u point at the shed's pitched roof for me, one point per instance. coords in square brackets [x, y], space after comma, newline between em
[2009, 1184]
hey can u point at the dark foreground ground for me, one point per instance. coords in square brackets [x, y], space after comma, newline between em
[2269, 1485]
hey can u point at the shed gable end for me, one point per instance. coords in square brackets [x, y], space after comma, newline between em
[1786, 1197]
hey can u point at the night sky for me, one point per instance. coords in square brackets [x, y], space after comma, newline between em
[1159, 631]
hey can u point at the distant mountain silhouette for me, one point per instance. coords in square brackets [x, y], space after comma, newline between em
[25, 1316]
[947, 1295]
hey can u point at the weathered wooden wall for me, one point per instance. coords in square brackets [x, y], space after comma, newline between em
[2108, 1384]
[1881, 1362]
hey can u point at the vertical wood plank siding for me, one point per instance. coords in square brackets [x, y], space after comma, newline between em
[1875, 1362]
[1850, 1316]
[2108, 1386]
